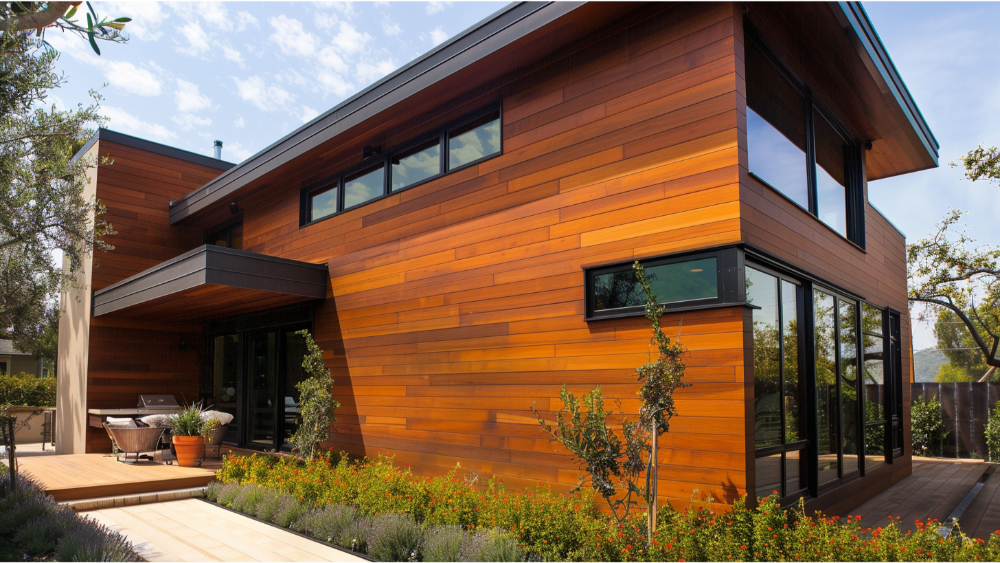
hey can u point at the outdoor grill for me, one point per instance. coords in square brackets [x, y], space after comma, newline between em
[154, 403]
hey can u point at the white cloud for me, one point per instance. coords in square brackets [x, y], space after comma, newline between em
[390, 27]
[215, 14]
[291, 36]
[244, 20]
[239, 152]
[121, 120]
[333, 82]
[349, 40]
[326, 20]
[188, 97]
[346, 8]
[438, 36]
[307, 114]
[435, 7]
[329, 59]
[370, 72]
[146, 17]
[131, 78]
[189, 121]
[266, 97]
[239, 121]
[194, 39]
[231, 53]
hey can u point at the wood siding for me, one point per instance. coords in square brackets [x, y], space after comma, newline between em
[129, 357]
[458, 304]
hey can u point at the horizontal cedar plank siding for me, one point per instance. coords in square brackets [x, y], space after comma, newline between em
[878, 273]
[136, 189]
[458, 304]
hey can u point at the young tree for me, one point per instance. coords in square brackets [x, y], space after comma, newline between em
[316, 397]
[41, 186]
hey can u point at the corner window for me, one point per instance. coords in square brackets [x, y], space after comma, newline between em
[698, 280]
[363, 186]
[474, 141]
[798, 150]
[323, 203]
[416, 165]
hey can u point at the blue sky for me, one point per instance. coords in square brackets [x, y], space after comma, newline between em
[250, 72]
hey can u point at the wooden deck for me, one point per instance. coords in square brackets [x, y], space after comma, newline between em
[195, 530]
[935, 490]
[88, 476]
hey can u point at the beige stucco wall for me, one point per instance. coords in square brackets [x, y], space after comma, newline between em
[74, 347]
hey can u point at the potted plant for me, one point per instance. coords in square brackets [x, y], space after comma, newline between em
[189, 431]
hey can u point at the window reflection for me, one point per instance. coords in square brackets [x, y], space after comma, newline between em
[474, 141]
[363, 186]
[323, 204]
[762, 291]
[831, 170]
[873, 386]
[416, 165]
[777, 160]
[849, 384]
[680, 281]
[826, 385]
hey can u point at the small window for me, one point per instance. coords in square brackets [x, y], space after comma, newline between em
[474, 141]
[364, 186]
[228, 236]
[831, 175]
[678, 282]
[324, 203]
[416, 165]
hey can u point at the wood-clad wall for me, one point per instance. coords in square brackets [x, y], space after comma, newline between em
[128, 358]
[774, 223]
[458, 304]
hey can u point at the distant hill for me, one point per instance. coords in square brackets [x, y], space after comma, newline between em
[926, 363]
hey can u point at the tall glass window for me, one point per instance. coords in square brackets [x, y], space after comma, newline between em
[848, 341]
[363, 186]
[416, 165]
[778, 434]
[831, 175]
[826, 386]
[874, 385]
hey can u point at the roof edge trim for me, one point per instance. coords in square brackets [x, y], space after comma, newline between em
[153, 147]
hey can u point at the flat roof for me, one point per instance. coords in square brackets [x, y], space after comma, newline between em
[110, 136]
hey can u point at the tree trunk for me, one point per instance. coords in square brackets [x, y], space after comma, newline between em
[48, 16]
[651, 493]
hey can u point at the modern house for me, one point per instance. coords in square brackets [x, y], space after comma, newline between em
[459, 238]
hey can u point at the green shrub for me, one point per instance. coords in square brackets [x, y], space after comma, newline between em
[26, 390]
[927, 426]
[40, 535]
[90, 541]
[288, 510]
[227, 494]
[268, 505]
[248, 498]
[992, 434]
[355, 537]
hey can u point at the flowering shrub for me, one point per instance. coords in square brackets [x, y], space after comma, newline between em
[542, 525]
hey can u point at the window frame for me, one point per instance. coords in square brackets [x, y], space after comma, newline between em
[440, 133]
[729, 268]
[854, 173]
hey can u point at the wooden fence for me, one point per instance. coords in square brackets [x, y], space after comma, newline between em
[966, 409]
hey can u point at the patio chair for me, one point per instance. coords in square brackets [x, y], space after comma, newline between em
[134, 441]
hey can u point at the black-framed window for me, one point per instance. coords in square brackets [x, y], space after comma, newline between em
[700, 279]
[873, 329]
[464, 142]
[797, 148]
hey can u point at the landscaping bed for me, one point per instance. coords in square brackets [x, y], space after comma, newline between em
[35, 527]
[373, 507]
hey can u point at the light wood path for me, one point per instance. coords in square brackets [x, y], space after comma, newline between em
[195, 530]
[85, 476]
[934, 490]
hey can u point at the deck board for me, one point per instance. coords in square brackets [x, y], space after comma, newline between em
[87, 476]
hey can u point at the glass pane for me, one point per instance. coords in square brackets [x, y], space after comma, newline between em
[826, 386]
[295, 351]
[795, 470]
[874, 446]
[849, 384]
[831, 151]
[768, 473]
[762, 291]
[236, 238]
[680, 281]
[416, 165]
[790, 349]
[871, 319]
[261, 383]
[776, 159]
[363, 186]
[474, 141]
[323, 204]
[225, 350]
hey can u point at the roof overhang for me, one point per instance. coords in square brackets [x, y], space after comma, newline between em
[110, 136]
[212, 282]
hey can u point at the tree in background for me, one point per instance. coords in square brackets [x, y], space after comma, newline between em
[41, 185]
[966, 361]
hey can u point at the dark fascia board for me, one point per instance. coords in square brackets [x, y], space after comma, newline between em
[853, 18]
[497, 31]
[215, 265]
[149, 146]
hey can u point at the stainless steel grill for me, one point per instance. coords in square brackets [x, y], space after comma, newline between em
[166, 402]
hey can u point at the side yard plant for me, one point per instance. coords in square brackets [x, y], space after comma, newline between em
[35, 527]
[373, 507]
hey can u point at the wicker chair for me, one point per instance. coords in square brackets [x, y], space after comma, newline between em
[134, 441]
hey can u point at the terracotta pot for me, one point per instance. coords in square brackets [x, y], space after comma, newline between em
[190, 450]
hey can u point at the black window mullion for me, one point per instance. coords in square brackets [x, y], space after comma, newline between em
[839, 395]
[859, 382]
[811, 157]
[808, 380]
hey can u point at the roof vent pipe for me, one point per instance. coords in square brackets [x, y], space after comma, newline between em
[218, 149]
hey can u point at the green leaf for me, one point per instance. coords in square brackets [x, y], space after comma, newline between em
[93, 43]
[90, 26]
[70, 13]
[91, 8]
[123, 20]
[118, 26]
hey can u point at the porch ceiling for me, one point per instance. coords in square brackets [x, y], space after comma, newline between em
[211, 282]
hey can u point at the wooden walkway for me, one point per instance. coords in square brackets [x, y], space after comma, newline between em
[934, 490]
[195, 530]
[88, 476]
